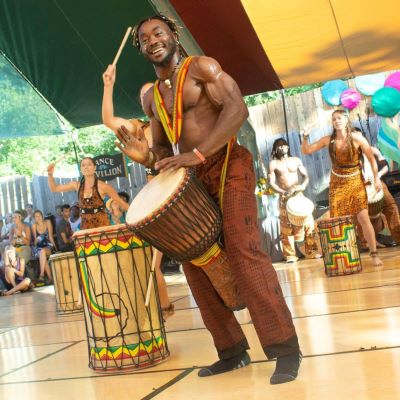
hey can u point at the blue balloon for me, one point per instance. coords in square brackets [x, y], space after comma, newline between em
[332, 90]
[369, 84]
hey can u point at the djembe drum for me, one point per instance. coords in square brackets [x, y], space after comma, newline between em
[114, 269]
[66, 283]
[176, 215]
[299, 208]
[339, 246]
[375, 202]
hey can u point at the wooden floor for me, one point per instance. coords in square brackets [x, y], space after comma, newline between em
[348, 327]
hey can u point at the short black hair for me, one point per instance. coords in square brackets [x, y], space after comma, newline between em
[65, 206]
[169, 21]
[124, 195]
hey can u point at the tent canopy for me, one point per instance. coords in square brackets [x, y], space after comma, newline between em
[62, 47]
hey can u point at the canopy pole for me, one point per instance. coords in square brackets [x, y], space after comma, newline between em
[284, 114]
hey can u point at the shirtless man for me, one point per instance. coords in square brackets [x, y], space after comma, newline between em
[284, 179]
[212, 112]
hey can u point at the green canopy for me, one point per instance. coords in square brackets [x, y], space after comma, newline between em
[62, 47]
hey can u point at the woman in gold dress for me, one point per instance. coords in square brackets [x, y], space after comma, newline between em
[347, 194]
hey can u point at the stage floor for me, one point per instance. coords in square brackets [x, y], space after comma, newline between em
[348, 327]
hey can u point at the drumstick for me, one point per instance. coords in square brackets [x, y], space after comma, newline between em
[150, 284]
[128, 31]
[56, 162]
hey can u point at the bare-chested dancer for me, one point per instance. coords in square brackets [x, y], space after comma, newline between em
[284, 178]
[212, 112]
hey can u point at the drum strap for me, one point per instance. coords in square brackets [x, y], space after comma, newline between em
[173, 128]
[173, 131]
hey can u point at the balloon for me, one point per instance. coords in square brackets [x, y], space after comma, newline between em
[332, 90]
[393, 80]
[350, 98]
[386, 102]
[369, 84]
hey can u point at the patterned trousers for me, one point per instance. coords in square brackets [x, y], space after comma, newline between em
[252, 268]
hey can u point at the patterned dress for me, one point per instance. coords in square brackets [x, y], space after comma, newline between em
[347, 194]
[93, 212]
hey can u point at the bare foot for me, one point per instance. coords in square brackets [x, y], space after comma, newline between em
[376, 261]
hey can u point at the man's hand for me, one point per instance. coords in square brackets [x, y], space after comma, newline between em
[305, 133]
[133, 144]
[109, 76]
[188, 159]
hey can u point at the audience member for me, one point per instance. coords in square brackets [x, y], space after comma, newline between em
[14, 278]
[64, 231]
[75, 217]
[20, 237]
[43, 244]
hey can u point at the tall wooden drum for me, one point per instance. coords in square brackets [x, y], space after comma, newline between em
[339, 246]
[177, 216]
[66, 283]
[114, 268]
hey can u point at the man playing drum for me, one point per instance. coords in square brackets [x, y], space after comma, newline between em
[284, 173]
[388, 204]
[212, 112]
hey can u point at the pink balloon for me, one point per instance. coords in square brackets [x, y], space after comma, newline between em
[393, 80]
[350, 98]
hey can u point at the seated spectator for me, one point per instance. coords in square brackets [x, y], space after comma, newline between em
[64, 231]
[75, 218]
[14, 273]
[20, 237]
[43, 244]
[29, 219]
[115, 213]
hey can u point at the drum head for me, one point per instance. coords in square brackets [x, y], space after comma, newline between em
[154, 195]
[300, 205]
[373, 195]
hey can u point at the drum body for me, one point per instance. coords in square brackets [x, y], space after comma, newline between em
[114, 268]
[375, 202]
[176, 215]
[66, 283]
[299, 208]
[339, 246]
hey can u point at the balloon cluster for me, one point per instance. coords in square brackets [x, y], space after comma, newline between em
[385, 93]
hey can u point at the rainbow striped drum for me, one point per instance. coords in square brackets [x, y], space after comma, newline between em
[114, 269]
[339, 246]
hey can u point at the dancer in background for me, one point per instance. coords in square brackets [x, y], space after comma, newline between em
[133, 126]
[347, 194]
[91, 192]
[284, 179]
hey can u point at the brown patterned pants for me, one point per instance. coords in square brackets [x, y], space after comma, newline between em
[252, 268]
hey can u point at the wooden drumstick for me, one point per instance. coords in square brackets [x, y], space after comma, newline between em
[127, 33]
[56, 162]
[152, 269]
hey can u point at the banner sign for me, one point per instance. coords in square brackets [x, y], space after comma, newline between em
[110, 167]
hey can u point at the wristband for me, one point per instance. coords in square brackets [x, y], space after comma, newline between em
[199, 155]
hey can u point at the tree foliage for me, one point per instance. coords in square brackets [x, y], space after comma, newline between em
[262, 98]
